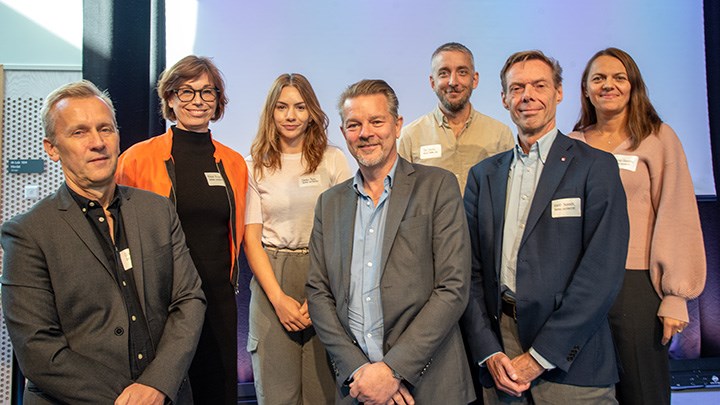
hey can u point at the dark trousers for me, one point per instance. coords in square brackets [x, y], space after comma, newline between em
[637, 331]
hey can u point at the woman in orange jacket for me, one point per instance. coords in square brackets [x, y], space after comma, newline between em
[207, 182]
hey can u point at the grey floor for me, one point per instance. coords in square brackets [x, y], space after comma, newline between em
[696, 397]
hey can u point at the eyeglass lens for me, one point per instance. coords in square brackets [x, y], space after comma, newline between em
[188, 94]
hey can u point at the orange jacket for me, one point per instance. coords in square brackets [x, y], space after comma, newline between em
[149, 165]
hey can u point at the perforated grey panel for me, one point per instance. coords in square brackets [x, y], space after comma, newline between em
[22, 139]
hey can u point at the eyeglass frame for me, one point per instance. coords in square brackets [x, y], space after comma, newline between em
[196, 92]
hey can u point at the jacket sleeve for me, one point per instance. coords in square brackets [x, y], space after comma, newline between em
[186, 313]
[345, 355]
[475, 322]
[677, 252]
[36, 332]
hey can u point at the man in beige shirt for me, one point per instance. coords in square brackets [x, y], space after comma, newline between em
[454, 136]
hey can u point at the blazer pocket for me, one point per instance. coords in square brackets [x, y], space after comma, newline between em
[415, 231]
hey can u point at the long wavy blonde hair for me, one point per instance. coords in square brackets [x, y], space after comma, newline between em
[265, 150]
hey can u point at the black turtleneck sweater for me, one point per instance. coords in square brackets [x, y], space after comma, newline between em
[204, 212]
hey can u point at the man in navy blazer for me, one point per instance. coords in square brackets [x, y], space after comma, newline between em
[549, 232]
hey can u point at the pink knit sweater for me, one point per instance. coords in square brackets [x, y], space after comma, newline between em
[665, 233]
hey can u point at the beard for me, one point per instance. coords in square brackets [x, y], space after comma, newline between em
[456, 106]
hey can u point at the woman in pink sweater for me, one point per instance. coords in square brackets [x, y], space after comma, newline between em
[666, 256]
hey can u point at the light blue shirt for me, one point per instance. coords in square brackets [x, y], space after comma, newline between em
[523, 178]
[365, 304]
[525, 171]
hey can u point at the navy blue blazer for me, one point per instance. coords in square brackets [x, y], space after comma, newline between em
[569, 269]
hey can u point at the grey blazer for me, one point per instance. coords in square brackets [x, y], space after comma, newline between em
[425, 282]
[64, 310]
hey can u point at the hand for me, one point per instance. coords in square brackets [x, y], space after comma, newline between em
[527, 368]
[137, 393]
[374, 384]
[290, 313]
[402, 397]
[505, 376]
[305, 312]
[671, 326]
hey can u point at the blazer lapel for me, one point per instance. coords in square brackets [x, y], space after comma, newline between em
[558, 160]
[497, 182]
[402, 187]
[71, 214]
[132, 235]
[346, 208]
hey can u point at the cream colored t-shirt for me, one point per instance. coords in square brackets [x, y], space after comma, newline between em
[284, 201]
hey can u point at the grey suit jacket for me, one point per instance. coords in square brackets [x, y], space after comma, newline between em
[425, 281]
[64, 310]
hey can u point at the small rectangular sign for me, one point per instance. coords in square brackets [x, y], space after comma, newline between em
[26, 166]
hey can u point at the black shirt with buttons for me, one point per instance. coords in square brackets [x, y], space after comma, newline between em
[140, 345]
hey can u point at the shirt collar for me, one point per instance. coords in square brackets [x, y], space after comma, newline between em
[86, 204]
[389, 179]
[542, 146]
[441, 119]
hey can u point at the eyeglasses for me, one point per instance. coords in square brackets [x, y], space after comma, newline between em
[187, 94]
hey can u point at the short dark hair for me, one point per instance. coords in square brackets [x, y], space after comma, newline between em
[454, 46]
[524, 56]
[189, 68]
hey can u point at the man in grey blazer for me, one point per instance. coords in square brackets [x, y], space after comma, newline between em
[389, 272]
[101, 299]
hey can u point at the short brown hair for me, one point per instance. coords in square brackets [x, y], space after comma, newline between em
[524, 56]
[368, 87]
[80, 89]
[189, 68]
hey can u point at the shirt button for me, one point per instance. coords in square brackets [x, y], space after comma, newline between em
[368, 299]
[119, 331]
[522, 226]
[124, 284]
[101, 219]
[369, 335]
[371, 230]
[84, 209]
[92, 204]
[133, 318]
[369, 264]
[523, 197]
[140, 356]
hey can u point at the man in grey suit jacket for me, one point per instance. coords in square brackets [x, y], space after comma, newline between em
[101, 299]
[549, 230]
[389, 268]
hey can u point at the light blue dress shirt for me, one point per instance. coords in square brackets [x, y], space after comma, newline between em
[523, 178]
[524, 175]
[365, 305]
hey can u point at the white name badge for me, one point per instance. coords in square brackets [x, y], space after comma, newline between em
[627, 162]
[214, 179]
[430, 151]
[126, 259]
[566, 208]
[309, 180]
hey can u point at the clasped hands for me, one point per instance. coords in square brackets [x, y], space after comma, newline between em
[374, 384]
[513, 376]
